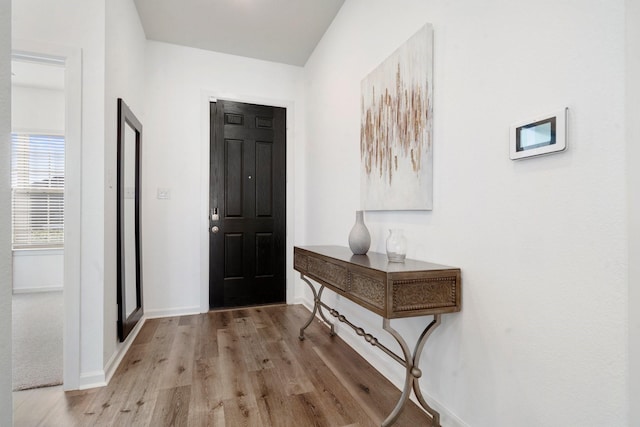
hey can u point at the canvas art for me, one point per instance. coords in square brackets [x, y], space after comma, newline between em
[396, 147]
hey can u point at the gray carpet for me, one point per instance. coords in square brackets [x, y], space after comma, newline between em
[37, 339]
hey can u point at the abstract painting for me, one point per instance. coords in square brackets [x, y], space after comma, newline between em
[396, 149]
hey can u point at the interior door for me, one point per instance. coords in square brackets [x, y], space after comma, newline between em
[247, 223]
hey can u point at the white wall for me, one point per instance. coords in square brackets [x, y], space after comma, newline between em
[633, 178]
[6, 399]
[175, 157]
[125, 45]
[542, 336]
[38, 270]
[80, 24]
[37, 110]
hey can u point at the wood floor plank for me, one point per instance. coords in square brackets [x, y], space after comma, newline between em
[19, 398]
[69, 412]
[151, 362]
[179, 369]
[256, 357]
[212, 370]
[172, 407]
[263, 321]
[335, 397]
[222, 318]
[207, 337]
[355, 391]
[107, 401]
[234, 374]
[193, 319]
[273, 404]
[294, 378]
[242, 411]
[147, 331]
[206, 407]
[138, 405]
[137, 412]
[34, 415]
[138, 400]
[314, 414]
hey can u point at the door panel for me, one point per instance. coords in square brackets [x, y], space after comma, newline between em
[247, 192]
[234, 254]
[264, 181]
[234, 173]
[264, 254]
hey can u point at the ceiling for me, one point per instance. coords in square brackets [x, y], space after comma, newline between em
[285, 31]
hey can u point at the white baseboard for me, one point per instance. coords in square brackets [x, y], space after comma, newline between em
[92, 380]
[171, 312]
[38, 289]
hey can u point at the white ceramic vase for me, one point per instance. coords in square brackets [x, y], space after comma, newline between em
[359, 237]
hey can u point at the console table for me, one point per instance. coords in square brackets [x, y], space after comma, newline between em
[391, 290]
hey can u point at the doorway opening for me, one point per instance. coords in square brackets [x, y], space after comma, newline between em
[37, 207]
[46, 199]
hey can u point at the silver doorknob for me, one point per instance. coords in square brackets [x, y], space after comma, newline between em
[215, 229]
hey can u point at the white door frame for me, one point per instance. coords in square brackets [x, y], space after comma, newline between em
[206, 97]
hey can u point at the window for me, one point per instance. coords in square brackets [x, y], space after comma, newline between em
[37, 190]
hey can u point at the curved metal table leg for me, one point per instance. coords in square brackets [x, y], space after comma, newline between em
[332, 332]
[316, 308]
[413, 372]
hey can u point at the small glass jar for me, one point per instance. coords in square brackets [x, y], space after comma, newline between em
[396, 245]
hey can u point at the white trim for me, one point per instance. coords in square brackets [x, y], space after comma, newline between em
[38, 290]
[73, 218]
[91, 380]
[171, 312]
[72, 210]
[40, 58]
[206, 97]
[44, 132]
[300, 300]
[37, 252]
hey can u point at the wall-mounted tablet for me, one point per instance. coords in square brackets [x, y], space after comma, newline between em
[543, 135]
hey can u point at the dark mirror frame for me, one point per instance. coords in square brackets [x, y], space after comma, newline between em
[126, 324]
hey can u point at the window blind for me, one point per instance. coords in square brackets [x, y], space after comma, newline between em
[37, 190]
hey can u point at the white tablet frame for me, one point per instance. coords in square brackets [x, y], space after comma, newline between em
[559, 138]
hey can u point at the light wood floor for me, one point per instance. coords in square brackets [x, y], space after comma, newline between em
[232, 368]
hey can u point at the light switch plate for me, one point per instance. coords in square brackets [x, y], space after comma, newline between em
[164, 194]
[129, 193]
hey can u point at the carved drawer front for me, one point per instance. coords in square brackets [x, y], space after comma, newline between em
[333, 274]
[420, 294]
[300, 262]
[367, 289]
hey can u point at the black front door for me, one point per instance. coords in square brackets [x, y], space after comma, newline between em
[247, 223]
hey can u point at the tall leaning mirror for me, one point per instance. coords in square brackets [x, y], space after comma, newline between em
[128, 222]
